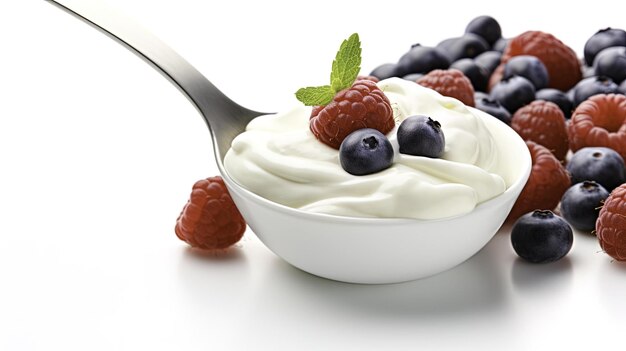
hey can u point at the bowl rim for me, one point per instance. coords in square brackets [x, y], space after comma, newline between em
[519, 183]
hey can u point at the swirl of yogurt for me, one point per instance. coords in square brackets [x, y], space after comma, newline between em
[278, 158]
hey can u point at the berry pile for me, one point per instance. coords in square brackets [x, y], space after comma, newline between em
[559, 103]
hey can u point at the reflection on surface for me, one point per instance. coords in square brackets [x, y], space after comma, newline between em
[611, 286]
[554, 276]
[208, 275]
[226, 255]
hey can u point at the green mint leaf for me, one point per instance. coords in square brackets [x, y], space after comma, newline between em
[346, 67]
[347, 64]
[315, 96]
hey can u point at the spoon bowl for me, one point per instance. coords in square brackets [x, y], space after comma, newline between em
[349, 249]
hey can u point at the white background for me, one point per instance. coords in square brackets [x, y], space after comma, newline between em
[98, 154]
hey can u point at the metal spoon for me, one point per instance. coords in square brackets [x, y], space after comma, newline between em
[224, 118]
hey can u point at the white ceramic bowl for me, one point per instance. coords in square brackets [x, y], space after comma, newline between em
[385, 250]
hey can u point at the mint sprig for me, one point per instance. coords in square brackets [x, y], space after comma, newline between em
[315, 96]
[346, 67]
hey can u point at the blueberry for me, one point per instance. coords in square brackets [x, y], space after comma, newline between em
[588, 71]
[421, 136]
[365, 151]
[588, 87]
[468, 46]
[489, 60]
[413, 77]
[513, 93]
[603, 39]
[386, 70]
[500, 45]
[580, 205]
[541, 237]
[570, 94]
[422, 59]
[611, 62]
[476, 74]
[486, 27]
[493, 108]
[600, 164]
[528, 67]
[558, 97]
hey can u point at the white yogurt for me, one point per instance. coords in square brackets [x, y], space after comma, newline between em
[278, 158]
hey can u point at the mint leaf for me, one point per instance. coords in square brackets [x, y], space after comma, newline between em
[346, 67]
[315, 96]
[347, 64]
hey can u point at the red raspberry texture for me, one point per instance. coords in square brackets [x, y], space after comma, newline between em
[600, 121]
[450, 82]
[611, 224]
[372, 78]
[560, 60]
[363, 105]
[210, 220]
[496, 76]
[544, 123]
[546, 185]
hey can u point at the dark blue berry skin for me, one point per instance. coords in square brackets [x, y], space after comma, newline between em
[493, 108]
[581, 203]
[541, 237]
[500, 45]
[422, 59]
[421, 136]
[591, 86]
[622, 87]
[603, 165]
[603, 39]
[386, 70]
[365, 151]
[570, 94]
[486, 27]
[468, 46]
[611, 62]
[588, 71]
[489, 60]
[513, 93]
[528, 67]
[413, 77]
[558, 97]
[476, 74]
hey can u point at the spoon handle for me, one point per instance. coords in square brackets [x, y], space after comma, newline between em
[224, 117]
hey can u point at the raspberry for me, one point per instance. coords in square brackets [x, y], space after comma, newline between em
[496, 76]
[560, 60]
[363, 105]
[546, 185]
[611, 224]
[544, 123]
[600, 121]
[450, 82]
[210, 220]
[372, 78]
